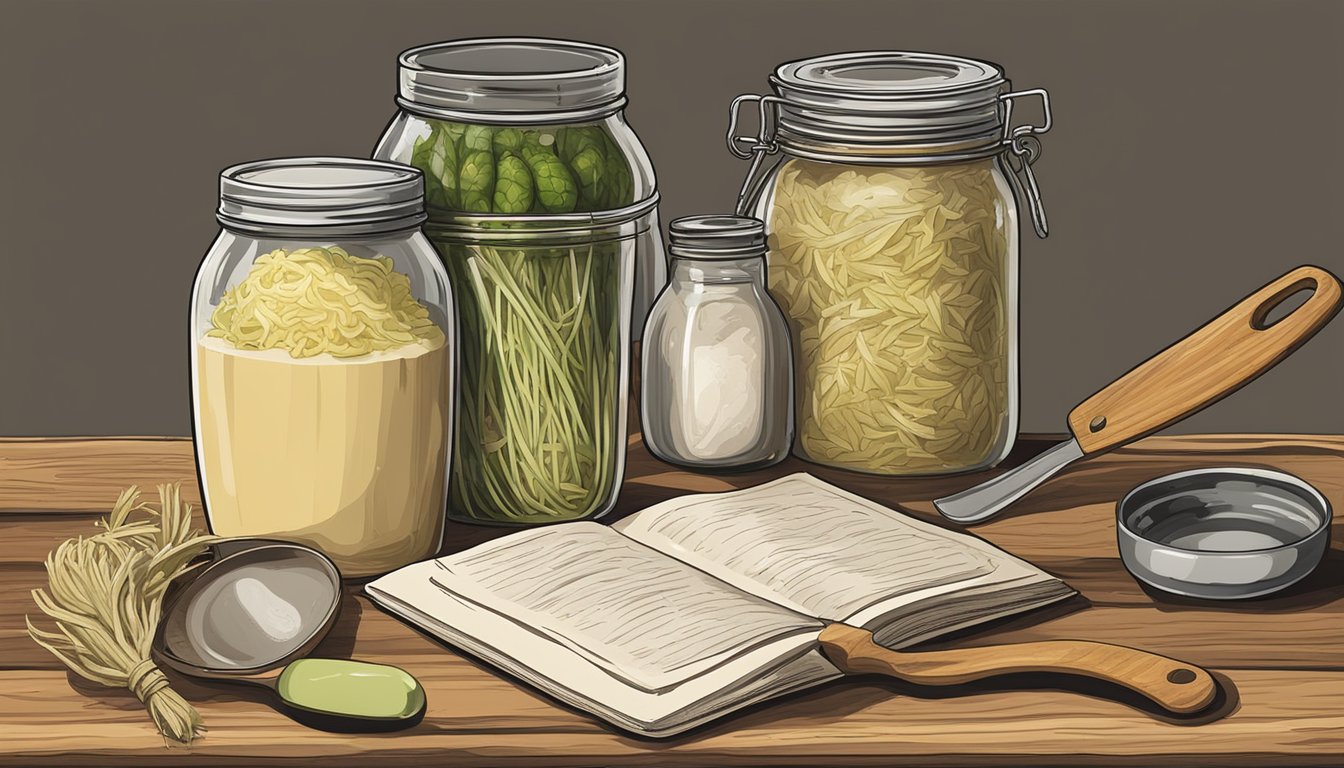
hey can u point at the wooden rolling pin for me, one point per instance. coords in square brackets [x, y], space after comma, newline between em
[1173, 685]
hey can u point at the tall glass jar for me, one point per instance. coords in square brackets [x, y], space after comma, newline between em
[322, 352]
[717, 379]
[542, 203]
[527, 126]
[894, 253]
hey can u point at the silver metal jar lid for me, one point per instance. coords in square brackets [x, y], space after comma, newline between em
[1223, 533]
[717, 236]
[350, 195]
[513, 80]
[888, 99]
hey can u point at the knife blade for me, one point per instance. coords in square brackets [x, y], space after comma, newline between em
[992, 496]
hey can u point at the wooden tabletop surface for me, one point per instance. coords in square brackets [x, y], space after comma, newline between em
[1280, 659]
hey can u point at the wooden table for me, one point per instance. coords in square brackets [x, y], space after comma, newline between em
[1282, 658]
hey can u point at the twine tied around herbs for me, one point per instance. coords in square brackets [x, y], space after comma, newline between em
[146, 680]
[105, 596]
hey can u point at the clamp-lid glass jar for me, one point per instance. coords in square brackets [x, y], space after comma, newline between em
[322, 333]
[516, 126]
[894, 253]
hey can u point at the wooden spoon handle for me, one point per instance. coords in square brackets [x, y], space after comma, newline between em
[1173, 685]
[1207, 365]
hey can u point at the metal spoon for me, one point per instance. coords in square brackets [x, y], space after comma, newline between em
[1201, 369]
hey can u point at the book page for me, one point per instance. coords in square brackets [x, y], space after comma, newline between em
[773, 669]
[808, 545]
[640, 615]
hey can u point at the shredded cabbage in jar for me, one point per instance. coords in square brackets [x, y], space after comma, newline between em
[894, 279]
[313, 301]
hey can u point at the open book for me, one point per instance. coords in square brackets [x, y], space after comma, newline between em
[707, 603]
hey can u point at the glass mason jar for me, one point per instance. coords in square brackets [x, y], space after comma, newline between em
[717, 378]
[544, 307]
[527, 126]
[894, 253]
[322, 351]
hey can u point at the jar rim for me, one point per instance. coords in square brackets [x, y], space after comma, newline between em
[512, 79]
[314, 194]
[711, 237]
[542, 229]
[819, 74]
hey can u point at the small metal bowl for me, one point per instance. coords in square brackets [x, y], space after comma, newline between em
[1223, 534]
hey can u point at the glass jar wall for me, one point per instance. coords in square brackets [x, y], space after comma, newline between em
[322, 330]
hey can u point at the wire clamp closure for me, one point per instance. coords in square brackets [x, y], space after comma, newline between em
[1024, 148]
[1020, 145]
[755, 148]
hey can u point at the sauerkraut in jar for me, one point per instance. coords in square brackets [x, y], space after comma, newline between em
[896, 283]
[893, 241]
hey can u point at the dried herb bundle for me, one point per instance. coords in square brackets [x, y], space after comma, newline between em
[105, 595]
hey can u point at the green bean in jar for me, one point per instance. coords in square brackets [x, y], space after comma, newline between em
[540, 418]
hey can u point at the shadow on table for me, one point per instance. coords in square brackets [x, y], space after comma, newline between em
[843, 698]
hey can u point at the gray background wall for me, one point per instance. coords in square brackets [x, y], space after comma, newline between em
[1197, 154]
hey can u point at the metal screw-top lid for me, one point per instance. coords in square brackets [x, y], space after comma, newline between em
[513, 80]
[717, 236]
[351, 195]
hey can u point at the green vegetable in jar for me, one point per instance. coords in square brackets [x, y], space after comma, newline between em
[437, 156]
[556, 189]
[513, 185]
[478, 137]
[589, 169]
[536, 142]
[508, 140]
[455, 131]
[574, 168]
[477, 181]
[581, 137]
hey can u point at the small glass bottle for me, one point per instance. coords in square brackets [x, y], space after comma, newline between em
[717, 375]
